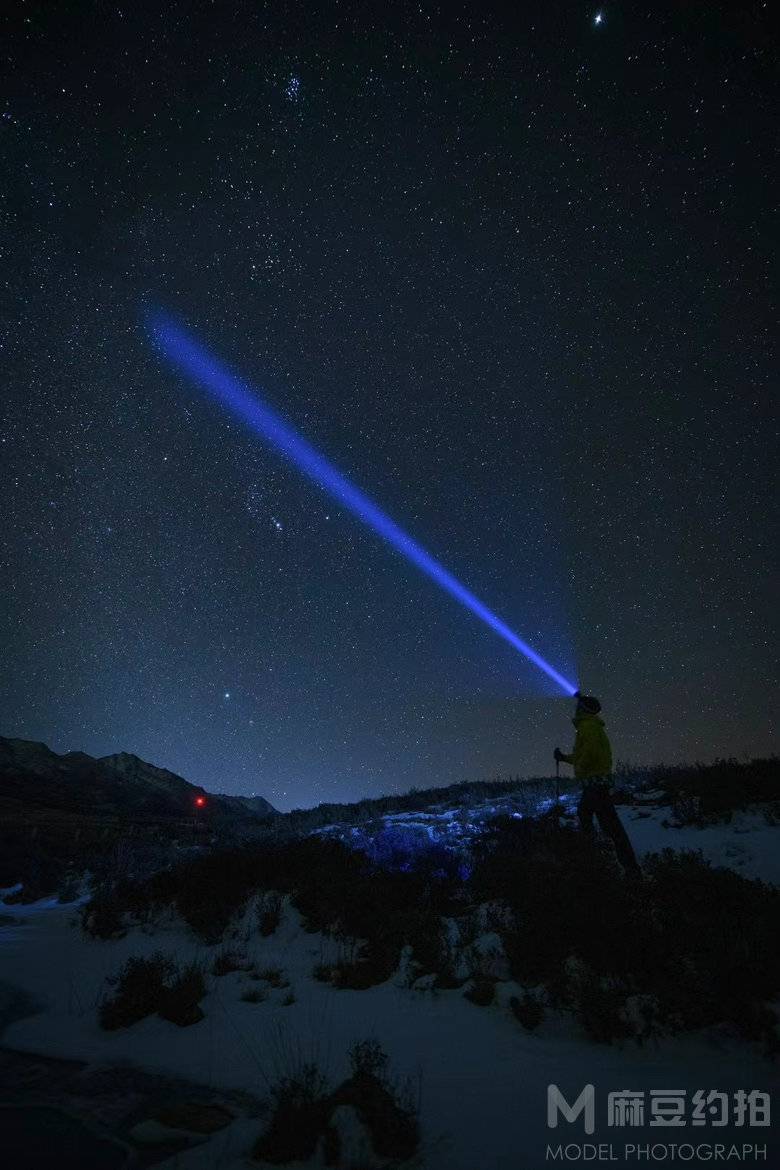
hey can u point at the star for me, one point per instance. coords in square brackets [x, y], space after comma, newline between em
[467, 389]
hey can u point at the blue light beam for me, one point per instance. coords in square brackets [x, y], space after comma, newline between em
[195, 361]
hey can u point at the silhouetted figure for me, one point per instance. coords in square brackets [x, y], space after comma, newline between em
[592, 761]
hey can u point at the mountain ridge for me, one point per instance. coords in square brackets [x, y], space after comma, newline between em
[119, 783]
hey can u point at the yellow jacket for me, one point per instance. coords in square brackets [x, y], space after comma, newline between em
[592, 755]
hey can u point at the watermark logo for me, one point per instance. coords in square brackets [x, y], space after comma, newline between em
[671, 1109]
[585, 1105]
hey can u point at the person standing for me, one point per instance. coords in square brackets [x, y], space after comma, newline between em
[591, 758]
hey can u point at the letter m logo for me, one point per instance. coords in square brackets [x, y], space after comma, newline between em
[585, 1103]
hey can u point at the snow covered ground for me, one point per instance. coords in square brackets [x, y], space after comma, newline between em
[747, 844]
[482, 1079]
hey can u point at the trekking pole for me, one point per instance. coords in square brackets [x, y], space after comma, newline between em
[557, 784]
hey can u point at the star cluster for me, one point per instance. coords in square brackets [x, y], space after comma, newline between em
[511, 272]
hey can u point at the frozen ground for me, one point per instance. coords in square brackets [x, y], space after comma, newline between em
[482, 1079]
[747, 844]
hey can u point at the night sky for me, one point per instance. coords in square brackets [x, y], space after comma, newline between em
[507, 266]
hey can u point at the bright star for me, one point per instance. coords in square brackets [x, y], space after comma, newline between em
[598, 18]
[227, 694]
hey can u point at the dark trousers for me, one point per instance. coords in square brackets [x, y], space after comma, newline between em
[597, 802]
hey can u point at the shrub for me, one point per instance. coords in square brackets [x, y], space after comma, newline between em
[368, 1058]
[715, 958]
[300, 1116]
[693, 941]
[600, 1006]
[146, 986]
[385, 1110]
[208, 917]
[302, 1108]
[565, 895]
[103, 918]
[274, 976]
[139, 989]
[228, 960]
[269, 913]
[69, 886]
[180, 1000]
[254, 995]
[700, 795]
[336, 890]
[432, 950]
[210, 890]
[481, 991]
[528, 1010]
[372, 962]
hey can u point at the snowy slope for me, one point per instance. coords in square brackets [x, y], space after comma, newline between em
[483, 1080]
[747, 844]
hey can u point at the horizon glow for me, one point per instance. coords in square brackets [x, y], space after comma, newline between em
[184, 352]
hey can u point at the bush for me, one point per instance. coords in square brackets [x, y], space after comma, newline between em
[373, 962]
[103, 918]
[600, 1006]
[565, 896]
[69, 887]
[528, 1010]
[368, 1058]
[693, 941]
[180, 1000]
[274, 976]
[300, 1117]
[269, 914]
[433, 952]
[481, 991]
[228, 960]
[303, 1108]
[715, 958]
[385, 1111]
[336, 890]
[700, 795]
[254, 995]
[146, 986]
[139, 989]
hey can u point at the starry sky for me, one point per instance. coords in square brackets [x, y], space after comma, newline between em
[507, 266]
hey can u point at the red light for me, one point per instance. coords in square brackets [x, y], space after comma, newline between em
[200, 801]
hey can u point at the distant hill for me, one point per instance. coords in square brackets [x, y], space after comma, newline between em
[257, 805]
[115, 817]
[32, 777]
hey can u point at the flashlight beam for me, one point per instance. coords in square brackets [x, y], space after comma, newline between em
[189, 356]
